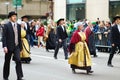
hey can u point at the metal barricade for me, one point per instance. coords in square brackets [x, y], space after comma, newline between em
[102, 42]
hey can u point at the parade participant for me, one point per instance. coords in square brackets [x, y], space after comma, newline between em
[79, 53]
[32, 33]
[12, 45]
[27, 27]
[51, 40]
[61, 38]
[25, 53]
[90, 39]
[40, 34]
[115, 39]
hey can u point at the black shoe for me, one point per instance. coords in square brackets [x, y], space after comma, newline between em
[110, 65]
[55, 57]
[5, 79]
[66, 58]
[95, 56]
[20, 78]
[28, 62]
[73, 70]
[47, 50]
[89, 71]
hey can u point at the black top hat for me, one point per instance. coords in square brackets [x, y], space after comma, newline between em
[116, 17]
[12, 13]
[61, 19]
[25, 17]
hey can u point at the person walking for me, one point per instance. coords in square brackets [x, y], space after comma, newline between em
[79, 53]
[40, 33]
[115, 39]
[90, 39]
[51, 40]
[32, 33]
[27, 27]
[12, 45]
[25, 52]
[61, 38]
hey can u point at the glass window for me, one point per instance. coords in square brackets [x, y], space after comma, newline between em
[114, 0]
[75, 11]
[114, 8]
[75, 1]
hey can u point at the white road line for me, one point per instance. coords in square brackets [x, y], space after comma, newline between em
[39, 56]
[47, 57]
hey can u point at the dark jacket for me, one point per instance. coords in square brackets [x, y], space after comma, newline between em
[60, 33]
[115, 35]
[8, 37]
[28, 28]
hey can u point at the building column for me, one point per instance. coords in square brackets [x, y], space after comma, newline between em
[59, 9]
[97, 9]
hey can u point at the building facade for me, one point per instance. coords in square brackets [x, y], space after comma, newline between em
[32, 8]
[59, 9]
[69, 9]
[92, 9]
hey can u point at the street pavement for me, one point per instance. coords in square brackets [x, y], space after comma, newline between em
[44, 67]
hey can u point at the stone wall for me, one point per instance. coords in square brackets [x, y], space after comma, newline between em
[97, 9]
[29, 7]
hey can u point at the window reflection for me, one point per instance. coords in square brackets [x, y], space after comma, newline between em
[114, 8]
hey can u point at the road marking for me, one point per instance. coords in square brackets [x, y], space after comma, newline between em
[47, 57]
[53, 58]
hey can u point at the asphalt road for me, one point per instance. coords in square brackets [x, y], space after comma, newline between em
[44, 67]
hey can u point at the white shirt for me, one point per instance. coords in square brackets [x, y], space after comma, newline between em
[63, 28]
[118, 27]
[14, 24]
[37, 27]
[91, 28]
[25, 25]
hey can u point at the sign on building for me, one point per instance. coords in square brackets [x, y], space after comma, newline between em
[17, 3]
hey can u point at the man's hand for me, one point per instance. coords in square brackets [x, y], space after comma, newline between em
[5, 50]
[113, 45]
[60, 40]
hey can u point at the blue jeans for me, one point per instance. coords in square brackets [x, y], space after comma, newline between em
[31, 40]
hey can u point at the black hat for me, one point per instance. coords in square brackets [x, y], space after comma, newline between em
[24, 17]
[61, 19]
[116, 17]
[12, 13]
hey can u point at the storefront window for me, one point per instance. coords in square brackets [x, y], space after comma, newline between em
[114, 0]
[114, 8]
[75, 9]
[76, 12]
[75, 1]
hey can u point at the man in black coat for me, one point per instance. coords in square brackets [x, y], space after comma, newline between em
[61, 38]
[12, 45]
[115, 39]
[27, 26]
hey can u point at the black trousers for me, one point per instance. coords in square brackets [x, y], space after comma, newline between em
[113, 52]
[16, 57]
[59, 44]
